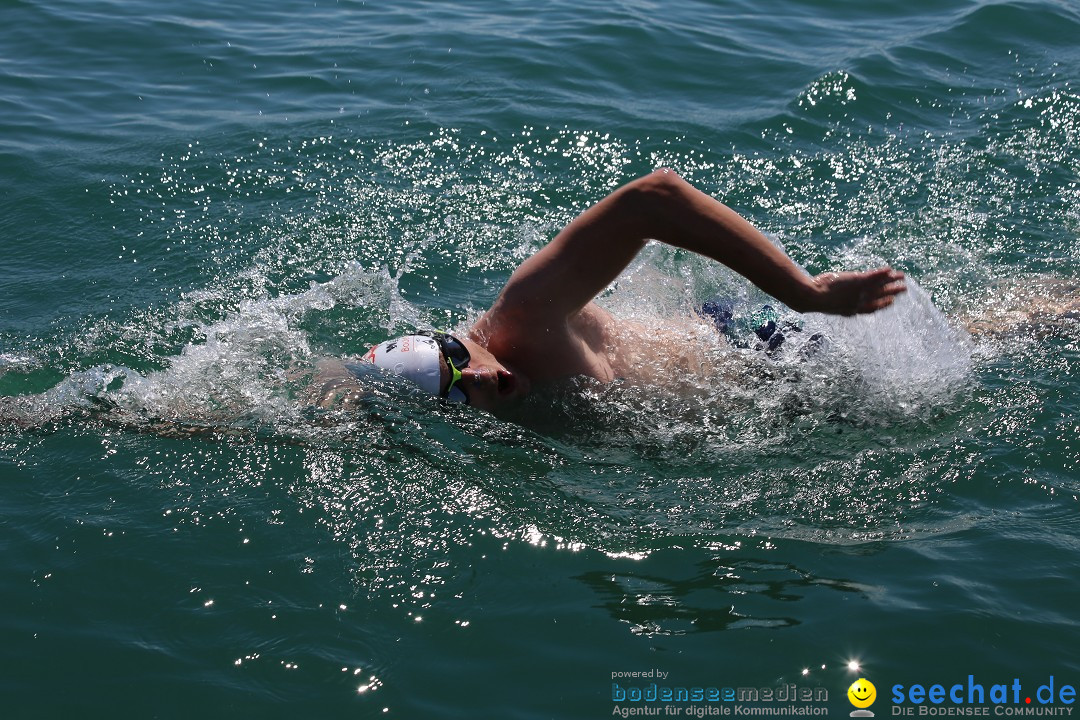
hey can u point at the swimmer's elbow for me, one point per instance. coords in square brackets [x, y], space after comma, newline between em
[661, 184]
[651, 199]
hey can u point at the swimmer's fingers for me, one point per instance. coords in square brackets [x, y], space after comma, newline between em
[883, 285]
[851, 293]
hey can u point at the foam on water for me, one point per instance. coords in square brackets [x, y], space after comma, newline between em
[236, 370]
[11, 362]
[909, 358]
[906, 363]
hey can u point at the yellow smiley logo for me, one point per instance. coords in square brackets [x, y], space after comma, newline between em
[862, 693]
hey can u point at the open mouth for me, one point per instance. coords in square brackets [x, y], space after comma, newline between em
[507, 383]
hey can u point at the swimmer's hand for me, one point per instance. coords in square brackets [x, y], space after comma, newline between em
[852, 293]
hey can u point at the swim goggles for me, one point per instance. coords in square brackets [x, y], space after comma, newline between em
[457, 359]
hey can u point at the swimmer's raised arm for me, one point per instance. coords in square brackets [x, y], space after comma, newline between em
[592, 250]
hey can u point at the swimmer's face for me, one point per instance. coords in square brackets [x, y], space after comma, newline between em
[488, 383]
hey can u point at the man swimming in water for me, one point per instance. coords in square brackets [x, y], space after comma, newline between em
[544, 325]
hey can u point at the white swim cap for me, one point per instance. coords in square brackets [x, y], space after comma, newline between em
[413, 356]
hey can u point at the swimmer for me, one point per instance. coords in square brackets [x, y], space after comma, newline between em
[544, 325]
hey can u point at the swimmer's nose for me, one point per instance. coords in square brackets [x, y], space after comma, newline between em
[480, 377]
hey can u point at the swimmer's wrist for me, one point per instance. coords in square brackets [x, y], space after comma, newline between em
[807, 296]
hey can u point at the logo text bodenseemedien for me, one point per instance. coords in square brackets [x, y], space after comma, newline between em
[667, 694]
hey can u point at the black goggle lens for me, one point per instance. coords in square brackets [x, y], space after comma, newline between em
[457, 355]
